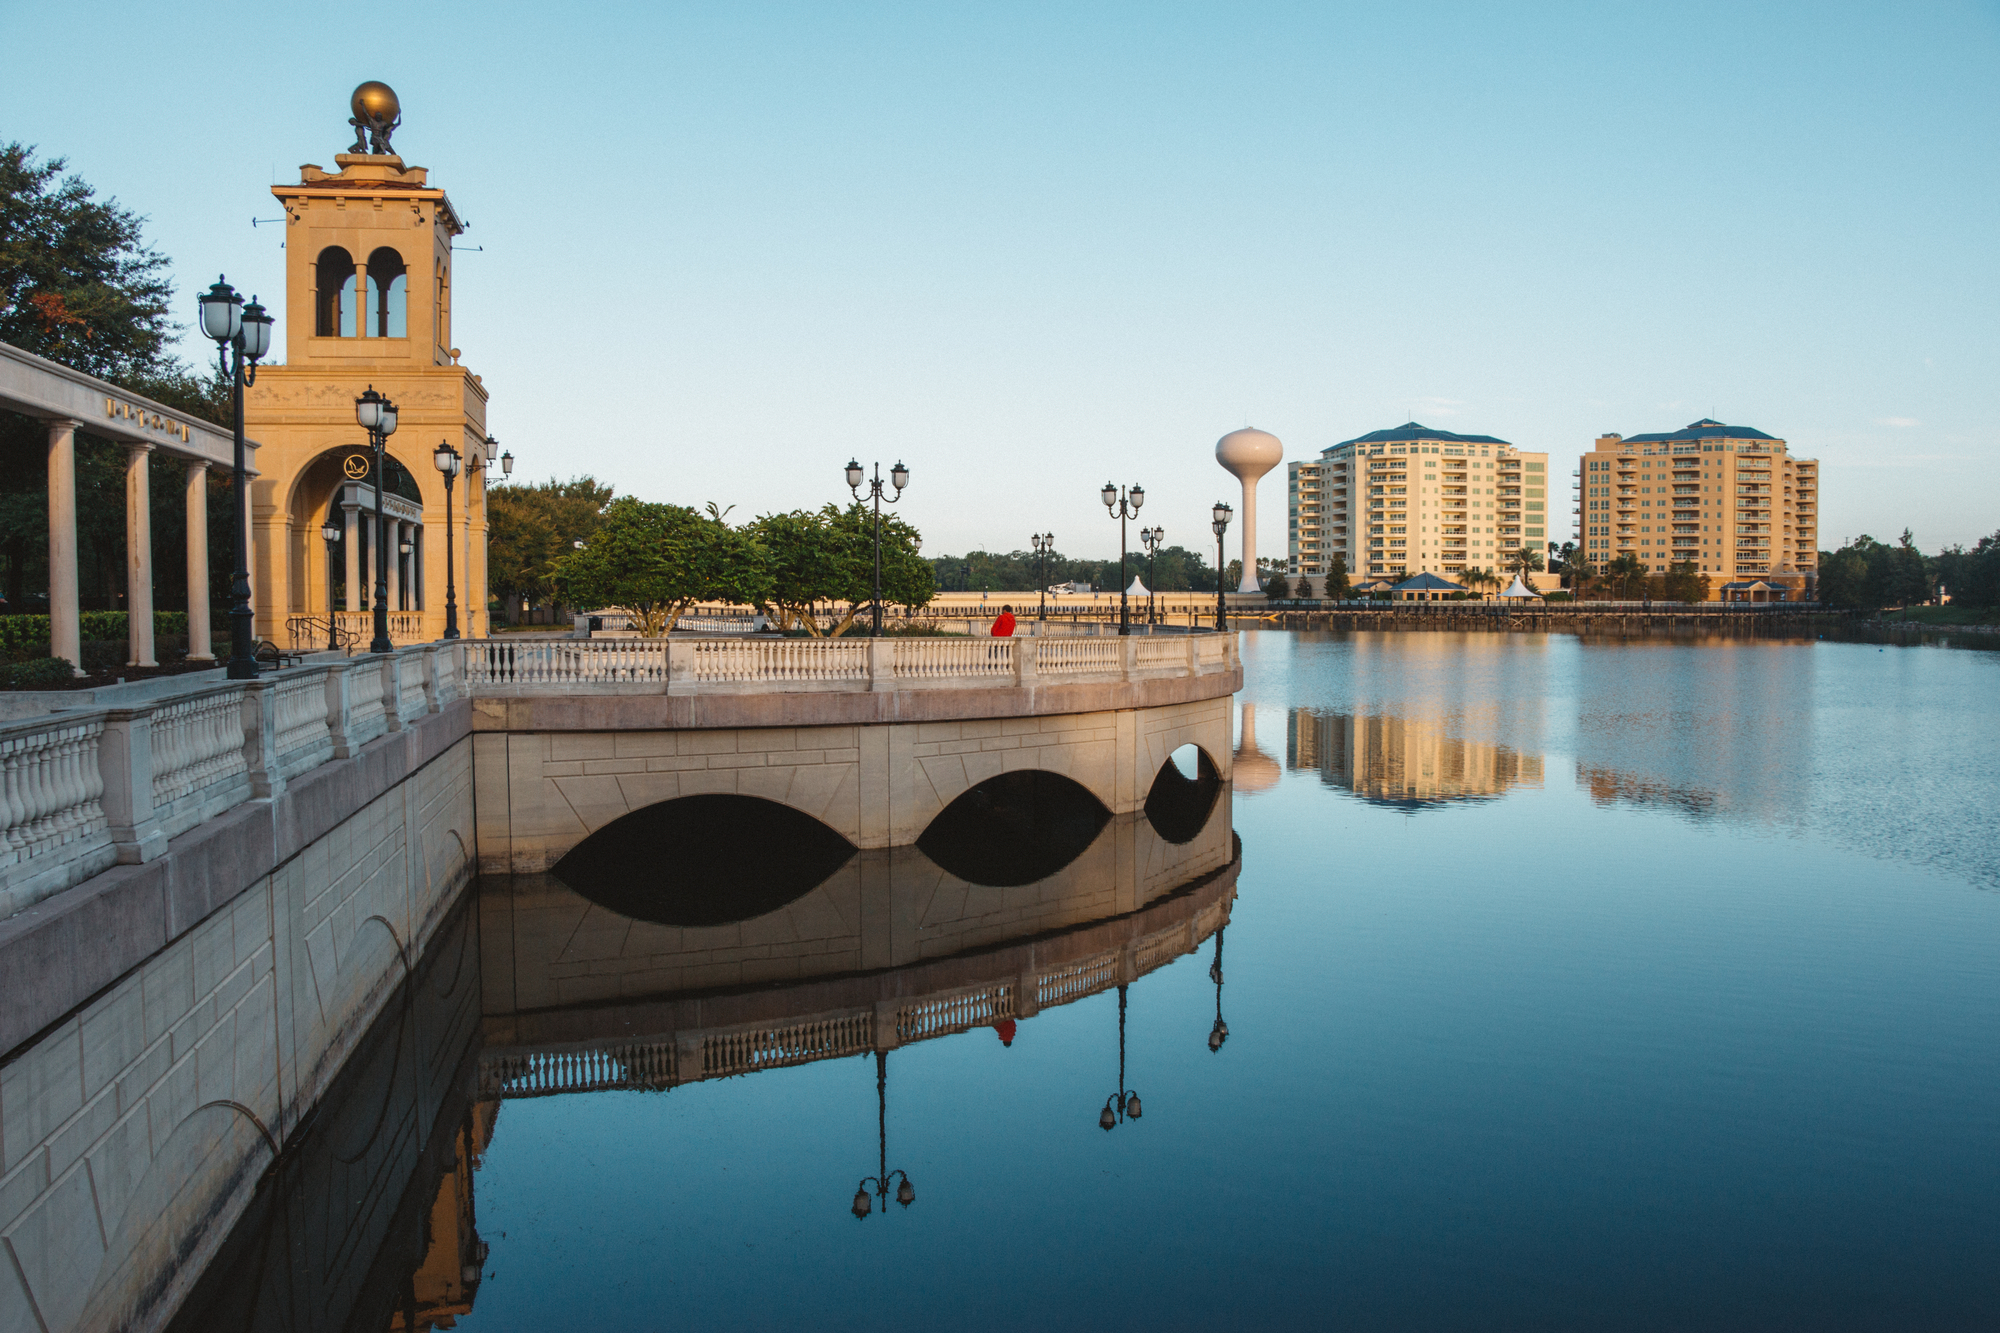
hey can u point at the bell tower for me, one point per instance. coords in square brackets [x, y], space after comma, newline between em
[368, 288]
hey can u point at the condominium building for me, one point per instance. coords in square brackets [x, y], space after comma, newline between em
[1729, 499]
[1413, 500]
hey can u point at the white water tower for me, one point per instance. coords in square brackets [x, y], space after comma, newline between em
[1248, 454]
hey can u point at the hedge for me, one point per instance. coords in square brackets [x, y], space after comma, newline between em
[26, 633]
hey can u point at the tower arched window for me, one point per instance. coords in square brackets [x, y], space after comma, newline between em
[389, 295]
[333, 294]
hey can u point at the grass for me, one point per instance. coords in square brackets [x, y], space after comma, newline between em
[1953, 614]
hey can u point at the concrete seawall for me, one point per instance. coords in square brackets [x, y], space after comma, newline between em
[170, 1023]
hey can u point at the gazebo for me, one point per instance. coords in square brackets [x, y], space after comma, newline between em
[1426, 588]
[1753, 590]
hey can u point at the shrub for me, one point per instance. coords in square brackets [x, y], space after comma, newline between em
[40, 672]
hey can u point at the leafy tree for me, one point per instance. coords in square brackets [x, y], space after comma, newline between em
[1337, 586]
[828, 555]
[656, 560]
[1908, 579]
[79, 285]
[1626, 574]
[1305, 589]
[1685, 583]
[530, 526]
[1979, 576]
[1277, 587]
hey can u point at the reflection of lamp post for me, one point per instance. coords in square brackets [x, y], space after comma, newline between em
[1220, 1032]
[906, 1193]
[377, 415]
[1220, 514]
[330, 532]
[899, 476]
[245, 330]
[1124, 1103]
[1044, 543]
[447, 460]
[1151, 538]
[1122, 507]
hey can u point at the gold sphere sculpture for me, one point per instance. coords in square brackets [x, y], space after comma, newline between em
[376, 115]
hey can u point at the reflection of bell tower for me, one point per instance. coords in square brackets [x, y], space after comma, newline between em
[368, 301]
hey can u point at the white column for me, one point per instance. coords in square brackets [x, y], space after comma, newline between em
[65, 621]
[394, 546]
[351, 516]
[1248, 536]
[139, 555]
[197, 563]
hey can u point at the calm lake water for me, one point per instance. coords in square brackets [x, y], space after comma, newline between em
[1567, 985]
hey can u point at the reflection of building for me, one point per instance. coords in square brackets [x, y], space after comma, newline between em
[1252, 770]
[1404, 760]
[1727, 499]
[446, 1281]
[368, 303]
[1413, 500]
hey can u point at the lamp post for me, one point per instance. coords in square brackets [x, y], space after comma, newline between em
[1123, 1104]
[1122, 506]
[246, 331]
[899, 476]
[329, 531]
[1220, 1032]
[447, 460]
[1220, 516]
[906, 1193]
[473, 465]
[377, 415]
[1044, 543]
[1151, 538]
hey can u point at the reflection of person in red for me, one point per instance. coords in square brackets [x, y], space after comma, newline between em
[1005, 1027]
[1003, 628]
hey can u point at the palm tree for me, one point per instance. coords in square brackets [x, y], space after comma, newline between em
[1523, 561]
[1626, 572]
[1477, 578]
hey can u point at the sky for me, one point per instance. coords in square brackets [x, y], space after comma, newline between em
[1028, 248]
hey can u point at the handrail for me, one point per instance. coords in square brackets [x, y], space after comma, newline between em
[84, 788]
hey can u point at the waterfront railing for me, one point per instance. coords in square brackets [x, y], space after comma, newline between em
[750, 664]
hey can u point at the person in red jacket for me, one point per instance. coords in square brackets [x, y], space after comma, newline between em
[1003, 627]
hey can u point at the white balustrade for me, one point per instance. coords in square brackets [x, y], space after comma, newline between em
[52, 789]
[199, 767]
[304, 737]
[802, 661]
[1070, 657]
[742, 1051]
[1156, 651]
[940, 1015]
[921, 659]
[367, 715]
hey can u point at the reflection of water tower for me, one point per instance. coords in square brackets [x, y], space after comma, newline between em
[1248, 454]
[1252, 769]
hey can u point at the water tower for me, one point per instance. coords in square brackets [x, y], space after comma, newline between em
[1248, 454]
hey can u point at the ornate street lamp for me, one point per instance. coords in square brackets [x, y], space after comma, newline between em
[1220, 516]
[1044, 544]
[245, 331]
[1150, 538]
[329, 531]
[1123, 1104]
[906, 1193]
[1122, 507]
[448, 460]
[1220, 1032]
[899, 476]
[377, 415]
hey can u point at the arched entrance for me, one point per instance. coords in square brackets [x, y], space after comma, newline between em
[339, 580]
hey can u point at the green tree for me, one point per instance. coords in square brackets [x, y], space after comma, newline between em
[1523, 561]
[829, 556]
[1627, 575]
[1337, 586]
[656, 560]
[1277, 587]
[529, 526]
[1685, 583]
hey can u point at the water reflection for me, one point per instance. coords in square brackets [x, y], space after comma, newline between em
[1411, 762]
[1015, 828]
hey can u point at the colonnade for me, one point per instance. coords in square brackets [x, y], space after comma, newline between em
[65, 613]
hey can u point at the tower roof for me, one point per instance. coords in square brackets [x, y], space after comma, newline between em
[1705, 429]
[1411, 430]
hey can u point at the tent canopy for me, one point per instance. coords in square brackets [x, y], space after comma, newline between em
[1137, 589]
[1519, 589]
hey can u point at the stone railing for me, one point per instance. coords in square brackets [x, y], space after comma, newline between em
[83, 789]
[754, 664]
[358, 628]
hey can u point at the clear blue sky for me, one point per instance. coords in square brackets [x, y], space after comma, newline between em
[1026, 248]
